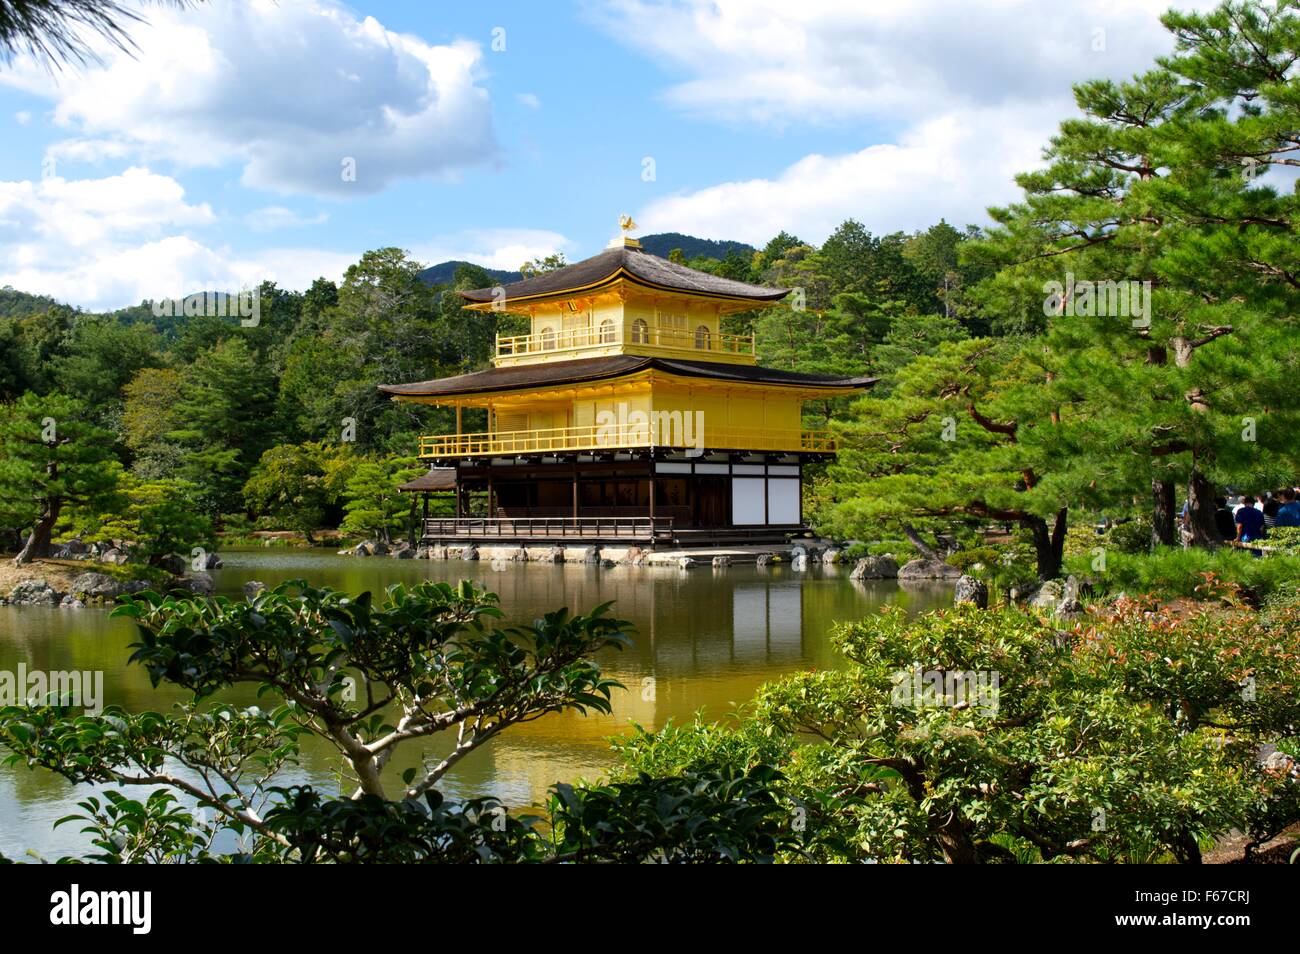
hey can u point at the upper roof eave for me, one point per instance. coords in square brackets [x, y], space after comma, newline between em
[629, 264]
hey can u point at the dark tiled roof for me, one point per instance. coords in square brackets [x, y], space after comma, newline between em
[635, 264]
[613, 366]
[438, 478]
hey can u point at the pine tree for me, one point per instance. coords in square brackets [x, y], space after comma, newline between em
[1195, 383]
[945, 447]
[50, 458]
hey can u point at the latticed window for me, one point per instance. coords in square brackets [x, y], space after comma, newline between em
[672, 329]
[702, 338]
[640, 332]
[607, 331]
[548, 338]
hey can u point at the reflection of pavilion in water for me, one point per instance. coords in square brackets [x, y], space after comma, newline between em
[706, 651]
[685, 623]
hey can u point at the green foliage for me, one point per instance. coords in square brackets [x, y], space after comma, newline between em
[300, 486]
[1093, 745]
[1148, 186]
[50, 457]
[159, 518]
[1176, 571]
[1284, 538]
[1130, 536]
[956, 439]
[222, 424]
[374, 505]
[426, 664]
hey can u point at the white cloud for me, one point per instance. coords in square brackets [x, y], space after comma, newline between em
[109, 242]
[821, 61]
[492, 248]
[22, 117]
[102, 242]
[278, 217]
[942, 168]
[530, 100]
[288, 89]
[959, 96]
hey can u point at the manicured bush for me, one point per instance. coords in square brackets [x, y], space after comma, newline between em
[1174, 571]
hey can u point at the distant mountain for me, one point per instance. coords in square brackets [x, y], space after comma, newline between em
[442, 273]
[18, 304]
[660, 244]
[692, 247]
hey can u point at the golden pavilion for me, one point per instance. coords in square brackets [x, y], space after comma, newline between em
[625, 414]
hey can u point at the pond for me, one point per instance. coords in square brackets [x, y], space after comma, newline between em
[706, 638]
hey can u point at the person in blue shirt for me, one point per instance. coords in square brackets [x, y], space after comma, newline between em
[1288, 515]
[1249, 520]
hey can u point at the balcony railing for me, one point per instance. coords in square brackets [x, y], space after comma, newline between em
[672, 339]
[589, 528]
[667, 433]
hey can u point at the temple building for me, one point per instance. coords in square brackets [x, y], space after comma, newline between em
[625, 414]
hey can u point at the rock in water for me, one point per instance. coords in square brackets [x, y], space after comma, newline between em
[97, 585]
[875, 568]
[799, 562]
[921, 569]
[252, 588]
[33, 593]
[971, 590]
[198, 583]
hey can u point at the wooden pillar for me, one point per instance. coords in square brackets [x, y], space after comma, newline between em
[491, 503]
[575, 492]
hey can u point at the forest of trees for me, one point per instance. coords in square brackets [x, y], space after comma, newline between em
[1122, 340]
[280, 424]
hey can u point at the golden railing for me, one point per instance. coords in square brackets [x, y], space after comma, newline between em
[672, 339]
[672, 432]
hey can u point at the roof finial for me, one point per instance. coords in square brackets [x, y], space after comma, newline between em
[625, 240]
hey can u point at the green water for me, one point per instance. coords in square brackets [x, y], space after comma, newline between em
[707, 638]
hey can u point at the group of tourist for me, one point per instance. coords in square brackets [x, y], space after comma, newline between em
[1246, 518]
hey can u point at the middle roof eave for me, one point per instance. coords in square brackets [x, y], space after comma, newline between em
[581, 370]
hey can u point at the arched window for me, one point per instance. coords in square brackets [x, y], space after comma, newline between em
[548, 338]
[607, 331]
[640, 332]
[702, 336]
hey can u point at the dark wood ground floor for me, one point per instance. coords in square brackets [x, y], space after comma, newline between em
[666, 501]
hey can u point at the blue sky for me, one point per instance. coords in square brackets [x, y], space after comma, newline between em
[216, 155]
